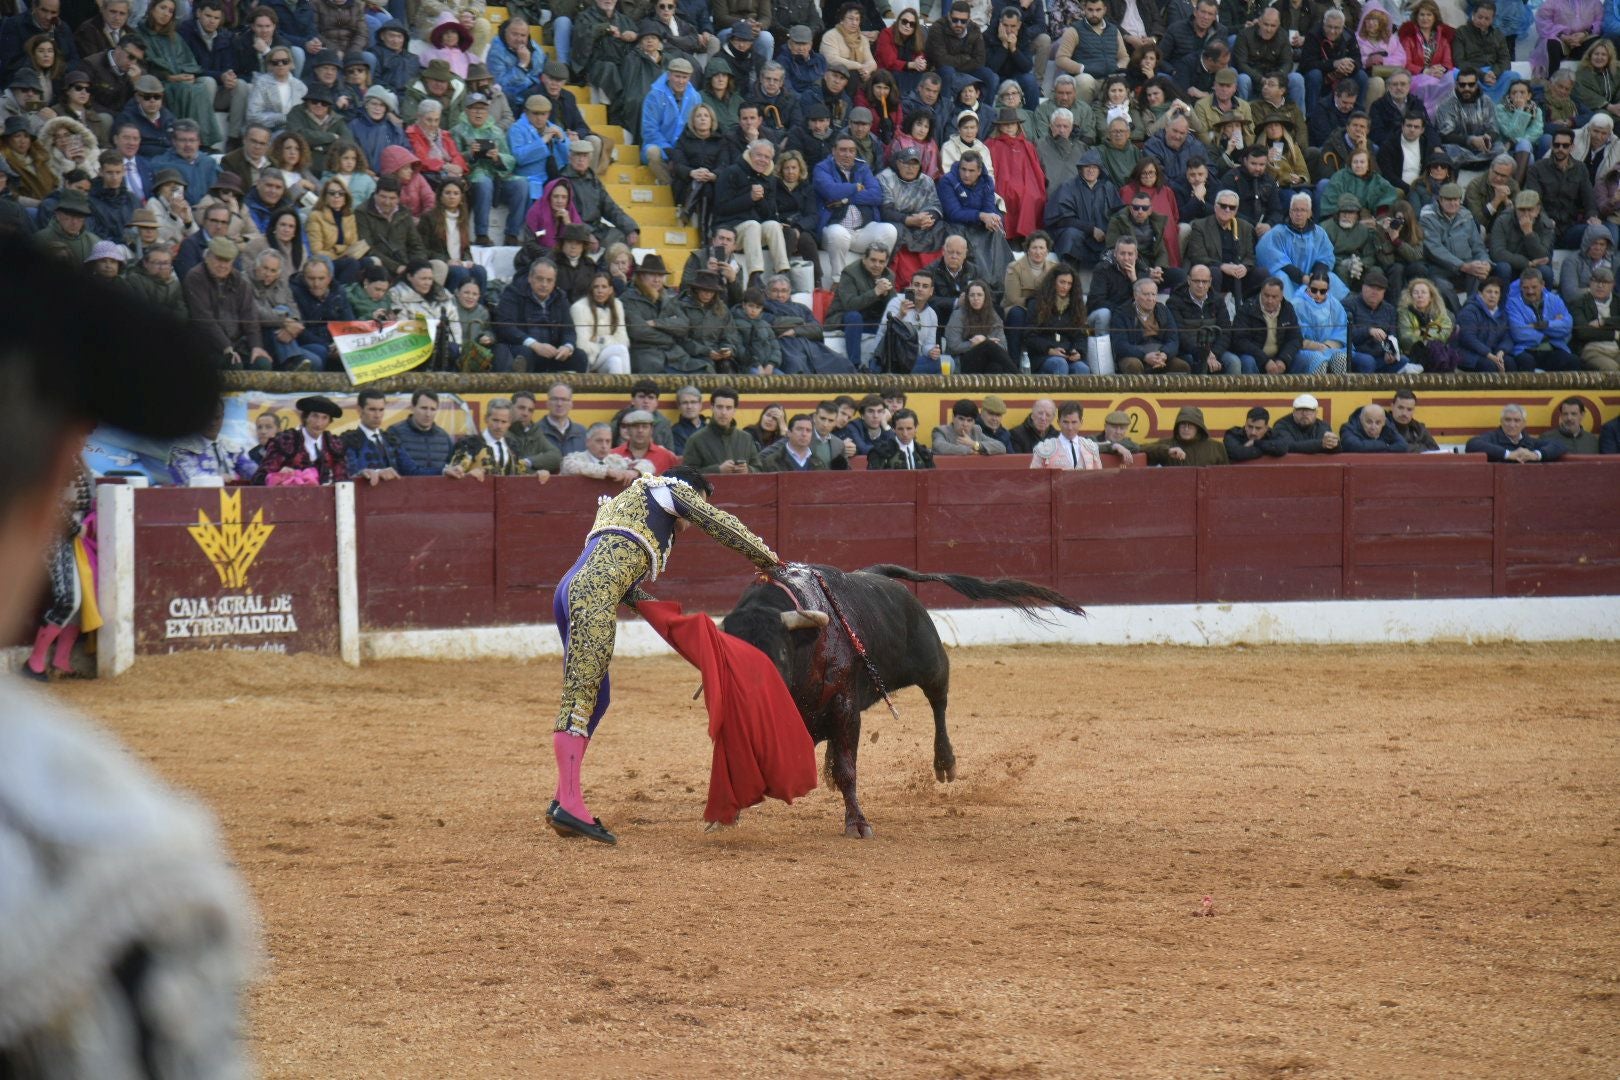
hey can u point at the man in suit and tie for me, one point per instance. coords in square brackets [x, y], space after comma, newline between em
[1069, 449]
[899, 449]
[375, 455]
[490, 453]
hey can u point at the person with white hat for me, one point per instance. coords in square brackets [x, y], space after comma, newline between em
[1302, 432]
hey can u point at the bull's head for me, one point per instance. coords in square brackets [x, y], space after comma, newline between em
[771, 630]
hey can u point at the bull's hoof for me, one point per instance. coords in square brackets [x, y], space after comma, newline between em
[858, 830]
[946, 773]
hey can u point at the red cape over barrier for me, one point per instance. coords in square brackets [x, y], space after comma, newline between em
[761, 746]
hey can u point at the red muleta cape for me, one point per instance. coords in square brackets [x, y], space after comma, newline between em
[761, 746]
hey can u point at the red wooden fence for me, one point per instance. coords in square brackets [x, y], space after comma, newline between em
[443, 553]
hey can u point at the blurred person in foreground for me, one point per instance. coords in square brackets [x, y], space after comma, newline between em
[128, 938]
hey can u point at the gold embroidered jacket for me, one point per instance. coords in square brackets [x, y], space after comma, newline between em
[636, 513]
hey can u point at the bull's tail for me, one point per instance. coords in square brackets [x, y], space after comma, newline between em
[1026, 596]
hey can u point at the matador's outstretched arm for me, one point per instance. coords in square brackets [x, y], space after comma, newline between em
[725, 528]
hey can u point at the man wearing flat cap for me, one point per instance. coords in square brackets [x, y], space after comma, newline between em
[68, 234]
[221, 304]
[493, 177]
[308, 446]
[148, 113]
[606, 222]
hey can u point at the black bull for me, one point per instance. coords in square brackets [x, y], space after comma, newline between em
[804, 637]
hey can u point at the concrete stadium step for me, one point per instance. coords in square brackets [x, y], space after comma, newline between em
[594, 114]
[631, 196]
[668, 236]
[627, 170]
[655, 217]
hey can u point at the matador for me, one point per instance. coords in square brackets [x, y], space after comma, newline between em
[629, 542]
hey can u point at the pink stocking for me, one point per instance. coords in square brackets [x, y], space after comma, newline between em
[63, 660]
[570, 751]
[42, 645]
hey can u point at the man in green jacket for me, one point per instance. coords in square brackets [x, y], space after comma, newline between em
[1191, 445]
[529, 441]
[720, 446]
[389, 228]
[863, 291]
[483, 144]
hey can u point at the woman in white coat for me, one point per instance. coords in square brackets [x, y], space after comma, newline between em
[599, 330]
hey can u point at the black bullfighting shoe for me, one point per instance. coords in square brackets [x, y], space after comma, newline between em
[566, 824]
[552, 809]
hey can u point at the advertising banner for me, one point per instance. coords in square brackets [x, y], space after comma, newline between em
[236, 568]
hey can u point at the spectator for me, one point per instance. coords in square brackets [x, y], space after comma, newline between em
[799, 334]
[1254, 439]
[1191, 444]
[639, 447]
[1407, 425]
[489, 453]
[1329, 57]
[1115, 439]
[721, 446]
[490, 166]
[273, 92]
[1374, 334]
[798, 451]
[68, 236]
[1596, 250]
[719, 257]
[1186, 39]
[963, 435]
[1036, 427]
[1068, 449]
[1145, 337]
[1298, 247]
[655, 320]
[711, 343]
[1302, 433]
[1077, 214]
[664, 114]
[1225, 244]
[388, 230]
[913, 308]
[1484, 336]
[220, 303]
[911, 203]
[1525, 238]
[1205, 327]
[600, 331]
[1509, 443]
[1565, 188]
[992, 411]
[1256, 190]
[596, 459]
[535, 452]
[426, 443]
[955, 48]
[557, 427]
[375, 455]
[1155, 252]
[309, 454]
[859, 302]
[533, 328]
[851, 199]
[369, 296]
[757, 350]
[204, 456]
[1609, 438]
[1113, 284]
[146, 111]
[746, 201]
[1367, 432]
[1452, 243]
[644, 398]
[868, 428]
[899, 448]
[1596, 323]
[1090, 49]
[1569, 432]
[829, 445]
[1479, 44]
[1426, 327]
[1056, 328]
[689, 406]
[319, 305]
[1541, 326]
[154, 282]
[975, 337]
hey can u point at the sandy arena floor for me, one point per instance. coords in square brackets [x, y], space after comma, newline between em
[1412, 854]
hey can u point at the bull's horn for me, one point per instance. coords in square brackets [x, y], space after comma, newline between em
[804, 620]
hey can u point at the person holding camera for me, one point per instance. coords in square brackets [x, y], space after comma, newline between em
[490, 172]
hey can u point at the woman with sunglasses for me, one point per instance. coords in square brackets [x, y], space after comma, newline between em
[1323, 327]
[333, 231]
[76, 104]
[275, 91]
[900, 50]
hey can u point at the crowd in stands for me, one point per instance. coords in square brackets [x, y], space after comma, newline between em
[522, 436]
[1054, 186]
